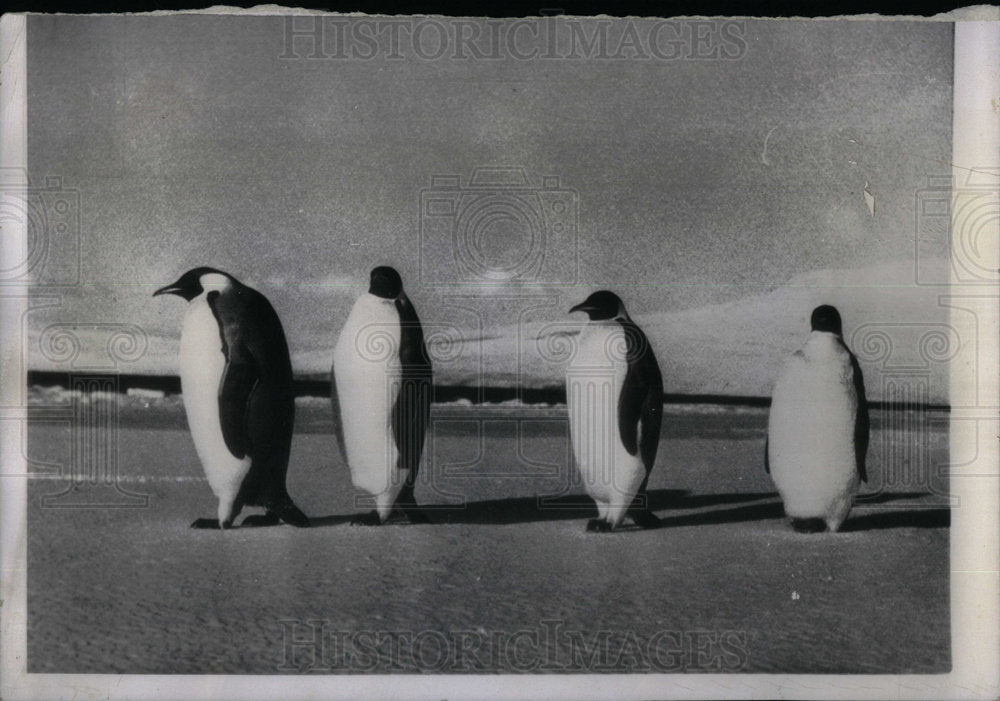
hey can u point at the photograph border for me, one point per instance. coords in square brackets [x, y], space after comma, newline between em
[975, 588]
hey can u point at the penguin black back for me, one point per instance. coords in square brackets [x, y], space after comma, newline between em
[256, 396]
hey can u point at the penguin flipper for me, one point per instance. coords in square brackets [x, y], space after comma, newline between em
[650, 421]
[640, 405]
[412, 408]
[338, 417]
[239, 377]
[862, 424]
[410, 416]
[235, 388]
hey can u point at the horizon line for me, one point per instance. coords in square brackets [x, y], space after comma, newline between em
[307, 385]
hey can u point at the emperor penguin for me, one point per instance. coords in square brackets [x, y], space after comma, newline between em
[381, 390]
[236, 381]
[614, 390]
[817, 435]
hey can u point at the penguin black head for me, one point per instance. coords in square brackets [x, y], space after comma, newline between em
[600, 305]
[385, 282]
[826, 318]
[189, 284]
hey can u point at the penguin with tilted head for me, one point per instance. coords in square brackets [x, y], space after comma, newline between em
[817, 436]
[614, 390]
[236, 381]
[381, 391]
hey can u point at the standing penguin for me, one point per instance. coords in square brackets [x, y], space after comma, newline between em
[381, 391]
[615, 394]
[236, 380]
[817, 436]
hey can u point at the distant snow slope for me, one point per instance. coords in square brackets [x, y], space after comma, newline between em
[898, 330]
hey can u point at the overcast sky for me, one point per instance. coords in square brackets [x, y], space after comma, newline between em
[192, 142]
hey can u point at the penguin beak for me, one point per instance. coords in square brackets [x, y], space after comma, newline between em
[581, 307]
[171, 289]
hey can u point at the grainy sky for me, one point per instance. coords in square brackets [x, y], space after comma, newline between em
[192, 142]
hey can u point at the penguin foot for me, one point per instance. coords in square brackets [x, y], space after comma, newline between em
[598, 525]
[808, 525]
[415, 515]
[289, 513]
[260, 520]
[204, 523]
[645, 519]
[369, 519]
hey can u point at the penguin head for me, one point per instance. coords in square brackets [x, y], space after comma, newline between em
[826, 318]
[385, 283]
[195, 281]
[600, 306]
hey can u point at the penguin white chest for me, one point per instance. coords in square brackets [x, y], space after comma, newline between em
[367, 372]
[594, 381]
[811, 431]
[202, 363]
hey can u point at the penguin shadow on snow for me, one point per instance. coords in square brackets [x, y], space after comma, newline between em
[930, 517]
[929, 514]
[577, 507]
[862, 500]
[740, 507]
[860, 518]
[512, 510]
[263, 521]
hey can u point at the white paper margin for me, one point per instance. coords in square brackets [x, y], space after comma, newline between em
[975, 587]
